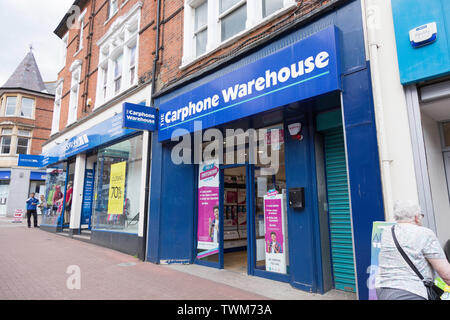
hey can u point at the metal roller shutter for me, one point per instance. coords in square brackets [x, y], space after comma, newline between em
[339, 211]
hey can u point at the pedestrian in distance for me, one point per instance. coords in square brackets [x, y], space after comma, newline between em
[396, 278]
[32, 203]
[42, 205]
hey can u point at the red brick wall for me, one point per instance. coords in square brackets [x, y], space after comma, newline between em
[145, 61]
[172, 35]
[42, 123]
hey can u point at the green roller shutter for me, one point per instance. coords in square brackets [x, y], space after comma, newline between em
[339, 211]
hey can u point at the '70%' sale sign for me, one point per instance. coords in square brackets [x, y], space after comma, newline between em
[117, 188]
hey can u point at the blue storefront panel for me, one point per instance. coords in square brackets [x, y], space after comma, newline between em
[429, 61]
[173, 193]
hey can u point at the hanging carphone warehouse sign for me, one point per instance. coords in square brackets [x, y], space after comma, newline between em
[303, 70]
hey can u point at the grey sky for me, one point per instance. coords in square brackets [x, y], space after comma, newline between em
[25, 22]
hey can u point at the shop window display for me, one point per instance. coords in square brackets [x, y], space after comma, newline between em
[117, 186]
[54, 196]
[271, 240]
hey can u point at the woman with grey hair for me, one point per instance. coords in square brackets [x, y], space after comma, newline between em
[396, 280]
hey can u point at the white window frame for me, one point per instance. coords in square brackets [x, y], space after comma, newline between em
[23, 136]
[132, 70]
[75, 69]
[65, 43]
[200, 29]
[6, 106]
[32, 107]
[118, 77]
[57, 107]
[81, 25]
[121, 37]
[254, 19]
[111, 12]
[10, 135]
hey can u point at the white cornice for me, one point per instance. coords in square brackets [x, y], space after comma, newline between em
[118, 23]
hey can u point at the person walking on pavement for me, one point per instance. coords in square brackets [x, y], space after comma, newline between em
[32, 210]
[42, 205]
[396, 280]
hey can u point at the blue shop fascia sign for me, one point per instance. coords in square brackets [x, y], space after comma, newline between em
[305, 69]
[102, 133]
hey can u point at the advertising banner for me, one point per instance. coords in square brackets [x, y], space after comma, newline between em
[208, 209]
[86, 211]
[275, 233]
[117, 188]
[377, 231]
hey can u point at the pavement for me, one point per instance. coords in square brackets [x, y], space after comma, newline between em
[38, 265]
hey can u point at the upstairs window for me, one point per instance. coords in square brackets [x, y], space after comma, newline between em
[105, 81]
[132, 68]
[26, 109]
[201, 28]
[81, 25]
[210, 23]
[5, 143]
[57, 108]
[271, 6]
[74, 92]
[113, 8]
[118, 73]
[23, 139]
[11, 103]
[65, 43]
[233, 15]
[81, 35]
[118, 56]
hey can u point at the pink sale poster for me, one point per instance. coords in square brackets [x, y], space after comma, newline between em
[208, 209]
[275, 236]
[208, 199]
[274, 225]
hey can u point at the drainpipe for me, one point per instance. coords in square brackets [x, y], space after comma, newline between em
[150, 150]
[372, 12]
[156, 59]
[89, 58]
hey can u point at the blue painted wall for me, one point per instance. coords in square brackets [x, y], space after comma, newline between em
[172, 205]
[303, 232]
[429, 61]
[363, 168]
[172, 199]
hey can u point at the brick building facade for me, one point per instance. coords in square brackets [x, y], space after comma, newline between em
[26, 109]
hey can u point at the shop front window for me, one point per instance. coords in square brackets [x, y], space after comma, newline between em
[4, 192]
[271, 205]
[117, 187]
[55, 184]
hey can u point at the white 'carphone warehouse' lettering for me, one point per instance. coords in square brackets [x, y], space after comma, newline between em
[239, 91]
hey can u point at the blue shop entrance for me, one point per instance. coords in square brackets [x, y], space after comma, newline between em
[279, 210]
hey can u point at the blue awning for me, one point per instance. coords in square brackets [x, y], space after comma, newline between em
[37, 176]
[5, 175]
